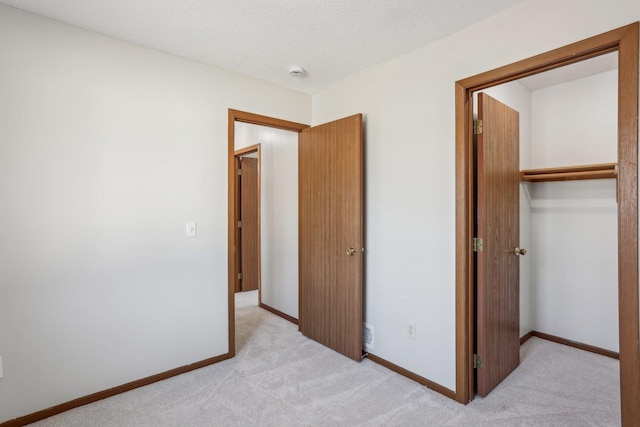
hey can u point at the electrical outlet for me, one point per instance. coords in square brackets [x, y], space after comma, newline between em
[411, 330]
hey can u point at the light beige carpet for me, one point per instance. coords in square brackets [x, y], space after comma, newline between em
[281, 378]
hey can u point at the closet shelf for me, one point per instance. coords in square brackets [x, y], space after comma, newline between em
[568, 173]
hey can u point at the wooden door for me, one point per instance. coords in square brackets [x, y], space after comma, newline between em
[331, 195]
[249, 231]
[498, 225]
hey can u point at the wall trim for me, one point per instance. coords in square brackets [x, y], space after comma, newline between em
[81, 401]
[412, 376]
[574, 344]
[526, 337]
[279, 313]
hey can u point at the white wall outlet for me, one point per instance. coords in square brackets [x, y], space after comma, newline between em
[1, 374]
[191, 229]
[411, 330]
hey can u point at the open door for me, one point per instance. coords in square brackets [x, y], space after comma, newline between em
[496, 245]
[249, 224]
[331, 216]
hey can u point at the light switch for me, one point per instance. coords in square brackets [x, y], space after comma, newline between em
[191, 229]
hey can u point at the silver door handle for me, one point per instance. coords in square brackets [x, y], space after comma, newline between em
[519, 251]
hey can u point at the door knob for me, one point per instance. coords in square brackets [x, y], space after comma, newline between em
[351, 251]
[519, 251]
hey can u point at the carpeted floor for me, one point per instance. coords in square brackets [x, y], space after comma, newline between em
[280, 378]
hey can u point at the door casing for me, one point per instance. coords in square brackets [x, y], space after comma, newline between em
[624, 40]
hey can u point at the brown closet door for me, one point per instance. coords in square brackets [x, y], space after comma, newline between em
[498, 224]
[331, 195]
[249, 212]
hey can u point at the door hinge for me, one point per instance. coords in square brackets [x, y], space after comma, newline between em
[477, 244]
[239, 276]
[477, 127]
[239, 224]
[240, 172]
[477, 361]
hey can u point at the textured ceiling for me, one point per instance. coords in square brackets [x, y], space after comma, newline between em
[331, 39]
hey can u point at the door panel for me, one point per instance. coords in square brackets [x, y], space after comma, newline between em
[331, 195]
[249, 214]
[498, 272]
[237, 249]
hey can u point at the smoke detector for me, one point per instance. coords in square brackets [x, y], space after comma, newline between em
[296, 71]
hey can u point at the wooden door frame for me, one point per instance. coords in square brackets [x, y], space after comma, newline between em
[624, 40]
[236, 207]
[256, 119]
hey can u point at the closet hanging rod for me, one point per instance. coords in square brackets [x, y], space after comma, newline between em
[568, 173]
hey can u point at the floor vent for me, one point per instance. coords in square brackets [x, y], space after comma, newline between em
[367, 336]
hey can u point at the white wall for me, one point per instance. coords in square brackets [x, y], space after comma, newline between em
[410, 166]
[574, 226]
[576, 123]
[106, 150]
[518, 97]
[568, 279]
[278, 213]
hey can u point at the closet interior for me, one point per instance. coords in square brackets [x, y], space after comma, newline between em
[568, 207]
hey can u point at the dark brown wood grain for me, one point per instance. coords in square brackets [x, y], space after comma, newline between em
[498, 224]
[250, 217]
[232, 232]
[237, 252]
[465, 230]
[629, 327]
[330, 221]
[570, 173]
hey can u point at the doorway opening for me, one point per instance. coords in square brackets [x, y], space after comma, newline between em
[234, 117]
[624, 41]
